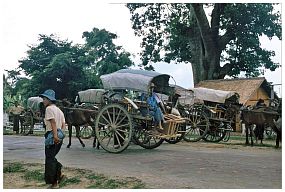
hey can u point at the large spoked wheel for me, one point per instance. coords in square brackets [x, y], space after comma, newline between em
[197, 125]
[181, 131]
[113, 128]
[145, 139]
[215, 134]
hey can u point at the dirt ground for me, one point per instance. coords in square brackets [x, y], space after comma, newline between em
[18, 175]
[198, 165]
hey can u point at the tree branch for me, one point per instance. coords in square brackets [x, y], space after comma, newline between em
[223, 71]
[225, 39]
[215, 21]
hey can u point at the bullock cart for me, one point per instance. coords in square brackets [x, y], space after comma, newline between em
[209, 113]
[125, 114]
[33, 113]
[221, 108]
[89, 99]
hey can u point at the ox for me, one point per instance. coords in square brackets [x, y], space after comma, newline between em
[78, 117]
[259, 117]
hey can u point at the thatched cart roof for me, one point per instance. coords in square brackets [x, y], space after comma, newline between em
[245, 87]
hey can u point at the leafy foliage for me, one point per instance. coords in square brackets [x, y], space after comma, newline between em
[107, 57]
[225, 42]
[66, 68]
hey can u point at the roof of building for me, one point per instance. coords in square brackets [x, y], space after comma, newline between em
[245, 87]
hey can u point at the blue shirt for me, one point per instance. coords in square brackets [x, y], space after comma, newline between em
[153, 101]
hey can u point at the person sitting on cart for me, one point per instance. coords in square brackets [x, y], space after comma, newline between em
[260, 103]
[154, 104]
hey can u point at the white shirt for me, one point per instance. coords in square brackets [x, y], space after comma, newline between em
[53, 112]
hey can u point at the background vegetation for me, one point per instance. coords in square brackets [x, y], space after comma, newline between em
[217, 39]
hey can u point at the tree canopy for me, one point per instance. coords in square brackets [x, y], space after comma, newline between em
[225, 42]
[67, 68]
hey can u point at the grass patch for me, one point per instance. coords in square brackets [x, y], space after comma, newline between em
[67, 181]
[139, 185]
[13, 168]
[37, 175]
[34, 174]
[95, 177]
[102, 182]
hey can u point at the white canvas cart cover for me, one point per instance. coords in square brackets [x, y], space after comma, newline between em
[138, 80]
[212, 95]
[186, 96]
[33, 103]
[91, 95]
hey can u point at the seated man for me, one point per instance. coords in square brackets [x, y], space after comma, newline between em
[154, 104]
[260, 103]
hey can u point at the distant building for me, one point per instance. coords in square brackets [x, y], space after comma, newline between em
[250, 90]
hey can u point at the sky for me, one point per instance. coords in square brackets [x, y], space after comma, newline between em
[23, 21]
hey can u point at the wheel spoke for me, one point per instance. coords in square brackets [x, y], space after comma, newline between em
[115, 122]
[119, 134]
[122, 130]
[108, 123]
[125, 125]
[102, 124]
[109, 116]
[110, 137]
[114, 110]
[116, 135]
[121, 120]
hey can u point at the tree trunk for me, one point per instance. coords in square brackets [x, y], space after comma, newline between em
[197, 50]
[206, 61]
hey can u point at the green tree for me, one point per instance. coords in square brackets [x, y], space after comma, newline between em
[12, 89]
[66, 68]
[224, 43]
[107, 57]
[54, 64]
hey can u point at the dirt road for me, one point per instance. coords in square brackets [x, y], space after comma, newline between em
[183, 165]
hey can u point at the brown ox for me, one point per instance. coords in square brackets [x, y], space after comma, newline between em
[77, 117]
[259, 117]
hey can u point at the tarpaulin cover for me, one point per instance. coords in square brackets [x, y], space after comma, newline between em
[138, 80]
[91, 95]
[212, 95]
[33, 103]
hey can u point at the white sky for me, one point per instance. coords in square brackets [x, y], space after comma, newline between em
[23, 20]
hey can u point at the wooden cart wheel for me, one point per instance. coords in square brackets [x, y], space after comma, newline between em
[227, 136]
[86, 132]
[113, 128]
[197, 124]
[145, 139]
[215, 134]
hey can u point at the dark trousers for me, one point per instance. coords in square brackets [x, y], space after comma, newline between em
[52, 166]
[16, 119]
